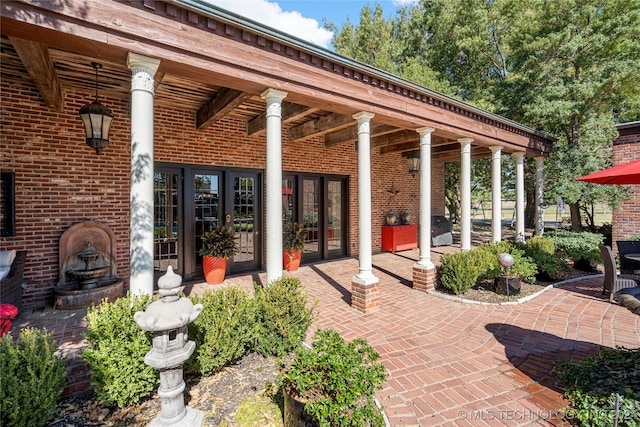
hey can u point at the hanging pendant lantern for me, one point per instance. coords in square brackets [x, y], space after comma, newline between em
[413, 162]
[97, 120]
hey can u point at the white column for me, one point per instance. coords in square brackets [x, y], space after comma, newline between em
[519, 196]
[365, 273]
[465, 189]
[143, 70]
[425, 198]
[274, 182]
[496, 193]
[539, 195]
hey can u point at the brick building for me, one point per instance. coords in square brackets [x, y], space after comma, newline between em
[626, 220]
[219, 120]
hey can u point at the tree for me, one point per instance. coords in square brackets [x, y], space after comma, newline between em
[568, 67]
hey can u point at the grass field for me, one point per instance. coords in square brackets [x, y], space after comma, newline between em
[482, 211]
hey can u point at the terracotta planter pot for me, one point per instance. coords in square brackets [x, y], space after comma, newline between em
[291, 259]
[214, 269]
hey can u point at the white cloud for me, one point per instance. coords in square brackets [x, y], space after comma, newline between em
[272, 15]
[404, 2]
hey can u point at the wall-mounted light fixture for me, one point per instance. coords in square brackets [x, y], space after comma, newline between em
[413, 162]
[97, 120]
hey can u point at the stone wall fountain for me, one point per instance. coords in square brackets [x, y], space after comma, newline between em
[87, 267]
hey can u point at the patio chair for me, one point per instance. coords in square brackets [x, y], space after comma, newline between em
[612, 281]
[11, 284]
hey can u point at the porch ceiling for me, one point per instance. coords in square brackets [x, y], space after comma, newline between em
[73, 73]
[59, 62]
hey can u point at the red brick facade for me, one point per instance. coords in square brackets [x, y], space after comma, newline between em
[626, 220]
[60, 181]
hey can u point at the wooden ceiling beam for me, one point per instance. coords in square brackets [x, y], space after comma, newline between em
[321, 126]
[225, 101]
[290, 112]
[350, 134]
[36, 59]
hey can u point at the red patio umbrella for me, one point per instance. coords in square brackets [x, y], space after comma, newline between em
[626, 173]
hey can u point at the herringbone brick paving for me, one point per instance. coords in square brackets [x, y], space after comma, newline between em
[449, 363]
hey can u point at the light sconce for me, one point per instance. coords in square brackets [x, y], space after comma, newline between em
[97, 120]
[413, 162]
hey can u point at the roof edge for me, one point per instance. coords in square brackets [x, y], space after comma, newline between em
[201, 6]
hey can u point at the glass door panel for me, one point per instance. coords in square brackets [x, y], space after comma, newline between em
[310, 216]
[207, 208]
[288, 206]
[245, 223]
[165, 222]
[334, 216]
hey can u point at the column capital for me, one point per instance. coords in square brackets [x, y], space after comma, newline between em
[425, 130]
[519, 154]
[363, 116]
[143, 69]
[465, 140]
[495, 148]
[272, 94]
[135, 60]
[539, 159]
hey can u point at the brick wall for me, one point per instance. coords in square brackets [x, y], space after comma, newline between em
[60, 181]
[626, 220]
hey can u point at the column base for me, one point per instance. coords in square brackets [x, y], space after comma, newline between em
[365, 294]
[424, 277]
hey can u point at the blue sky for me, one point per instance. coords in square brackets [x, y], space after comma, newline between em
[304, 18]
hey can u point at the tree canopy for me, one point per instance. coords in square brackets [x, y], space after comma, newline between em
[565, 67]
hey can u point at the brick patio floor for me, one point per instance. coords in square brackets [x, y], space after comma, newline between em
[448, 363]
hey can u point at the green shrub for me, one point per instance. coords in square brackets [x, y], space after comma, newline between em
[337, 381]
[522, 267]
[32, 379]
[461, 271]
[282, 316]
[593, 383]
[541, 250]
[116, 350]
[582, 246]
[224, 330]
[537, 244]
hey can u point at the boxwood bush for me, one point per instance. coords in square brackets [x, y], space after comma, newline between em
[283, 316]
[32, 379]
[224, 330]
[461, 271]
[116, 350]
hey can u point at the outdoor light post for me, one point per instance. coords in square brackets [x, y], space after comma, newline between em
[506, 260]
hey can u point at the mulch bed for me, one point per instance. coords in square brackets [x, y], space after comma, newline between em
[218, 396]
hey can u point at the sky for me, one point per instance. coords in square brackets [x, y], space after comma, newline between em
[304, 18]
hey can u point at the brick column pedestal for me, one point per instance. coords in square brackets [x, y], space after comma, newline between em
[424, 279]
[365, 295]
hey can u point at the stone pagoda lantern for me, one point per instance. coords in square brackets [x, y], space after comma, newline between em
[168, 319]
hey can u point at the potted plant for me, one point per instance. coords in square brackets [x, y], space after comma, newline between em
[218, 245]
[292, 243]
[332, 383]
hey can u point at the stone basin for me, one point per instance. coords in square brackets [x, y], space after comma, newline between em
[71, 297]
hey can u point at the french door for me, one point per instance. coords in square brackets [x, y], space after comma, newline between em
[319, 203]
[190, 201]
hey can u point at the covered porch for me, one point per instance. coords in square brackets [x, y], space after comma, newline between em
[198, 95]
